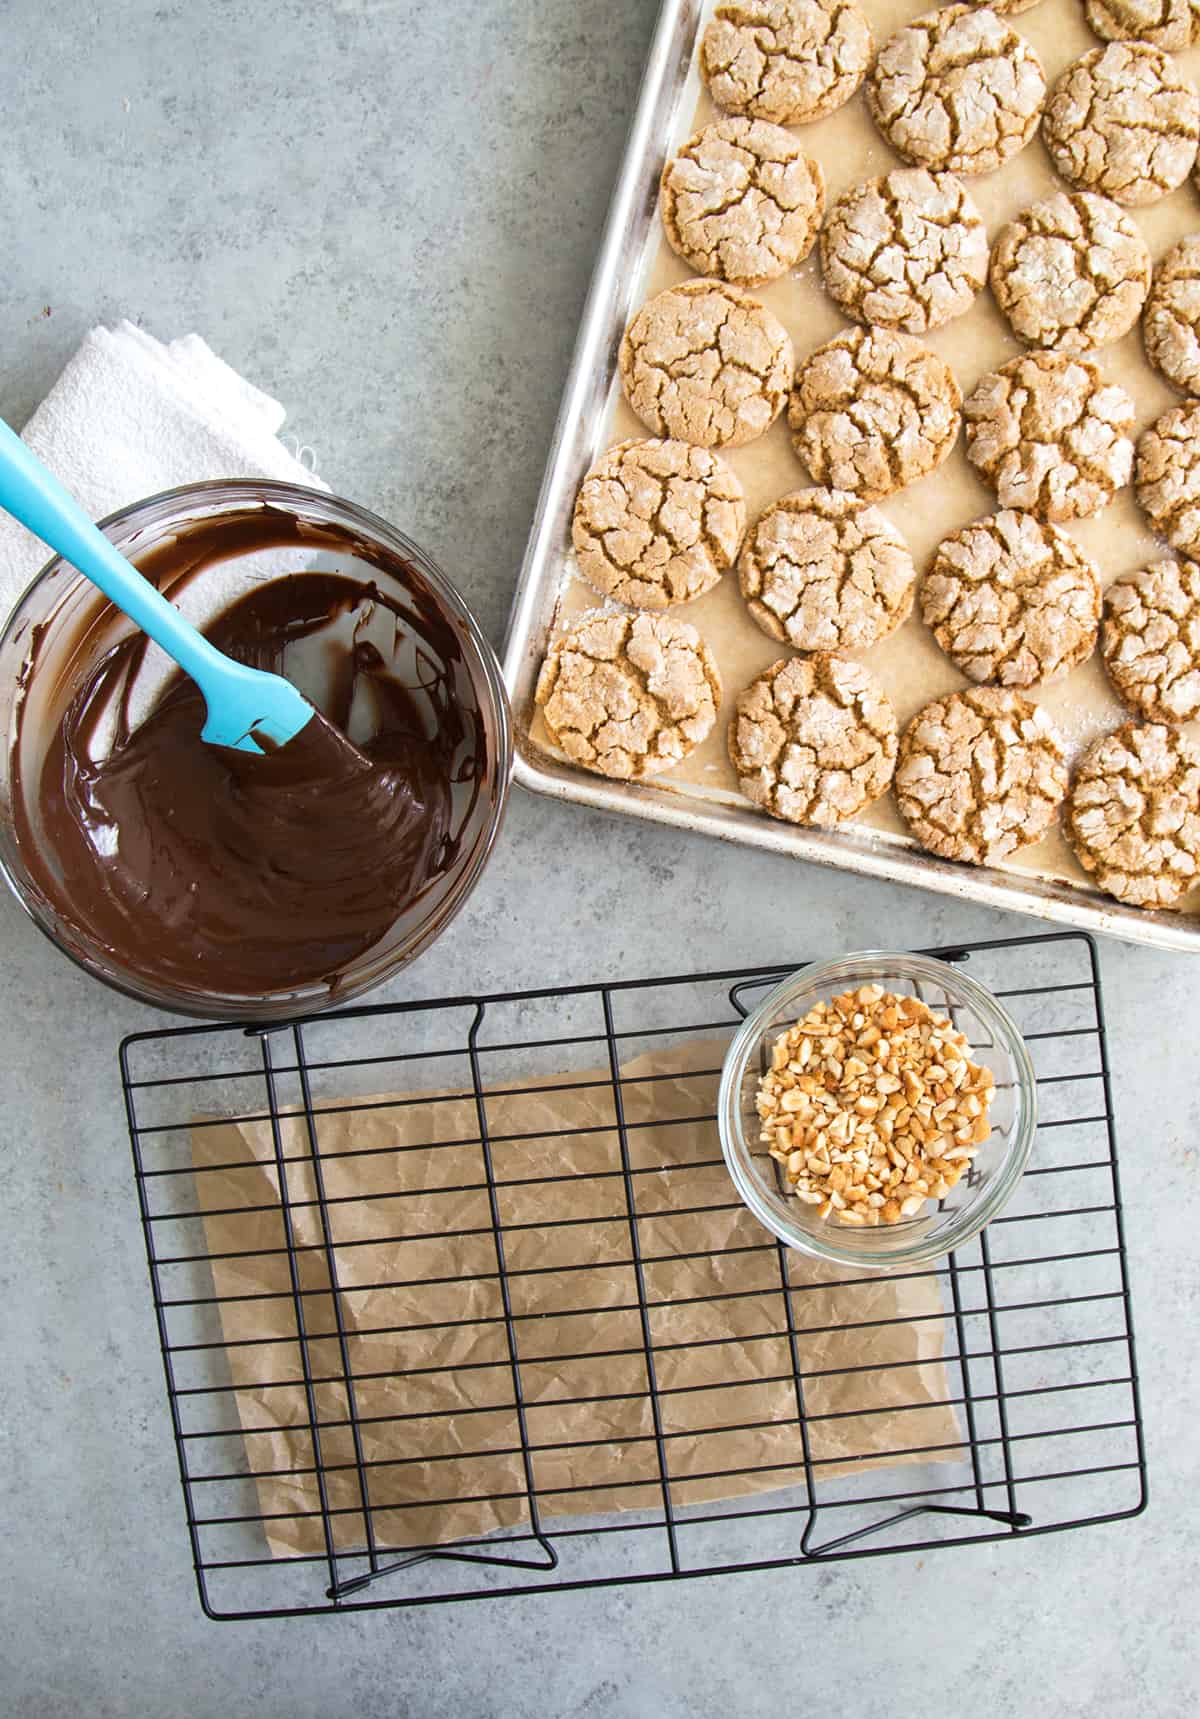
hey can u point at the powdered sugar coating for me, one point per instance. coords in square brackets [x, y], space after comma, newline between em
[980, 775]
[1151, 640]
[1133, 816]
[813, 740]
[957, 89]
[1125, 121]
[1050, 435]
[742, 201]
[706, 363]
[1012, 600]
[823, 572]
[628, 695]
[907, 250]
[1071, 272]
[789, 61]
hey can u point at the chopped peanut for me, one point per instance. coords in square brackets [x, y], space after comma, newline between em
[887, 1113]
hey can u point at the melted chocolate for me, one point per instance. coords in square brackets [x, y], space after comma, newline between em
[240, 874]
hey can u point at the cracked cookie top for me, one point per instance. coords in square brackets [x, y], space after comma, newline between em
[980, 775]
[628, 695]
[788, 61]
[1050, 435]
[813, 740]
[907, 250]
[742, 201]
[1171, 322]
[957, 89]
[1151, 640]
[1071, 272]
[1170, 24]
[872, 411]
[1167, 477]
[657, 523]
[1011, 600]
[824, 572]
[1133, 815]
[1124, 121]
[706, 363]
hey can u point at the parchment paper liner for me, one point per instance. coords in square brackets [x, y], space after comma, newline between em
[452, 1467]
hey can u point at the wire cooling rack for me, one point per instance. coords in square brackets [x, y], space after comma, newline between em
[1039, 1373]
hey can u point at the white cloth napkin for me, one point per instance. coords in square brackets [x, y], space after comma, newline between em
[130, 416]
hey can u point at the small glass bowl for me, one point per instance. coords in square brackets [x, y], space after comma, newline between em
[939, 1227]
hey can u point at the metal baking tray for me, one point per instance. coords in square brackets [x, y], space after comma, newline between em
[630, 240]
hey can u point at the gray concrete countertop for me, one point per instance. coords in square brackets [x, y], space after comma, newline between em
[386, 213]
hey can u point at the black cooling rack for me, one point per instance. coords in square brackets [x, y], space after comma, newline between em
[1039, 1374]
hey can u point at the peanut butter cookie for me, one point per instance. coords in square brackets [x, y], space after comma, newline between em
[957, 89]
[1008, 8]
[1050, 435]
[824, 572]
[1169, 24]
[657, 523]
[1151, 640]
[813, 740]
[1167, 477]
[1071, 273]
[706, 363]
[1011, 600]
[908, 250]
[872, 411]
[1124, 121]
[1171, 323]
[788, 61]
[1133, 815]
[742, 201]
[981, 774]
[628, 695]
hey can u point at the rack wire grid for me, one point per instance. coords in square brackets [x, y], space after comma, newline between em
[477, 1388]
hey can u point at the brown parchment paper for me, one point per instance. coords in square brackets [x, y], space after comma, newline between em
[909, 665]
[451, 1467]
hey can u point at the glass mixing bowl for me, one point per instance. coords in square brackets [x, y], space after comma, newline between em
[993, 1175]
[62, 627]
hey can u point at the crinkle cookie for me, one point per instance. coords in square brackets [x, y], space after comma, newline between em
[872, 411]
[813, 740]
[1170, 24]
[1071, 272]
[980, 775]
[1123, 120]
[628, 695]
[1151, 640]
[1166, 477]
[1171, 321]
[1011, 600]
[957, 89]
[742, 201]
[706, 363]
[824, 572]
[1050, 435]
[788, 61]
[657, 523]
[908, 250]
[1133, 815]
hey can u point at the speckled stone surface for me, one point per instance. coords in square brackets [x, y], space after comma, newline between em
[387, 214]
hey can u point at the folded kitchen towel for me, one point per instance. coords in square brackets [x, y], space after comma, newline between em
[130, 416]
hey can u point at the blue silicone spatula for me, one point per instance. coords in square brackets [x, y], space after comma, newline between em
[243, 704]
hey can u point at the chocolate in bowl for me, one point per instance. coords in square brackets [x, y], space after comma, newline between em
[219, 883]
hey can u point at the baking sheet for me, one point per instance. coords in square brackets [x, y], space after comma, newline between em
[635, 262]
